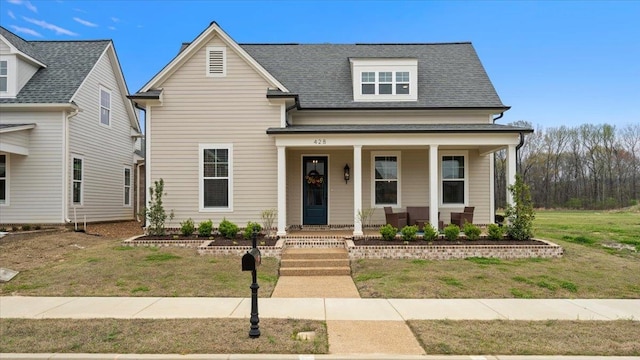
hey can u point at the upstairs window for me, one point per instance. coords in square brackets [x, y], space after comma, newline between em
[77, 181]
[105, 107]
[216, 61]
[4, 76]
[376, 79]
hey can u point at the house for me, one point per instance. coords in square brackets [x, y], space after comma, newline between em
[323, 132]
[67, 133]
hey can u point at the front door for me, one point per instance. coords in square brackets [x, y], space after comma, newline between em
[314, 190]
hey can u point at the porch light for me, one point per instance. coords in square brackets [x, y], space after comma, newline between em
[347, 175]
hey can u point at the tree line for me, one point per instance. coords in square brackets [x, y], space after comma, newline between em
[583, 167]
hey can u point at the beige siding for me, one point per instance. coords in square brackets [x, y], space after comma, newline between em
[105, 150]
[368, 118]
[480, 187]
[35, 181]
[16, 138]
[215, 110]
[25, 72]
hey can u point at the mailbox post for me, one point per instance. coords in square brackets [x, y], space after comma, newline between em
[250, 262]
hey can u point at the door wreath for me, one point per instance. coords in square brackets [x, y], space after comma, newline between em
[314, 178]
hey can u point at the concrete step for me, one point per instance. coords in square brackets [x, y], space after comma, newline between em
[313, 263]
[315, 253]
[317, 271]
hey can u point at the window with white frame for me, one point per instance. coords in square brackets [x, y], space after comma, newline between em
[368, 83]
[454, 178]
[386, 179]
[4, 76]
[216, 169]
[4, 188]
[78, 178]
[127, 186]
[384, 79]
[385, 83]
[105, 107]
[402, 82]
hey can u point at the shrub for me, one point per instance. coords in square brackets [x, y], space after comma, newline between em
[451, 232]
[429, 232]
[495, 232]
[520, 214]
[388, 232]
[268, 217]
[409, 232]
[471, 231]
[251, 226]
[205, 228]
[37, 227]
[155, 213]
[187, 227]
[228, 229]
[26, 227]
[14, 228]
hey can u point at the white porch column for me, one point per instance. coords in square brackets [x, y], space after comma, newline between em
[282, 191]
[357, 189]
[511, 171]
[433, 185]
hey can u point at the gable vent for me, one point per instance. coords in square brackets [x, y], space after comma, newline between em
[216, 61]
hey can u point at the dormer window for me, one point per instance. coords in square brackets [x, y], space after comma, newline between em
[385, 79]
[4, 76]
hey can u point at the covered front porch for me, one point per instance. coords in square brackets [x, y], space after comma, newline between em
[329, 175]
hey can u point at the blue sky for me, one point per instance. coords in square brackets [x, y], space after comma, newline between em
[554, 62]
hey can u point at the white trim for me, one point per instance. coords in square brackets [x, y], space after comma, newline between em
[465, 154]
[11, 76]
[14, 50]
[434, 207]
[73, 180]
[101, 89]
[302, 156]
[39, 106]
[147, 161]
[396, 154]
[229, 148]
[14, 149]
[210, 49]
[492, 184]
[409, 139]
[357, 189]
[377, 66]
[282, 191]
[197, 44]
[124, 186]
[17, 128]
[7, 199]
[511, 172]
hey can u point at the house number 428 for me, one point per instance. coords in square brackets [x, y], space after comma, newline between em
[320, 141]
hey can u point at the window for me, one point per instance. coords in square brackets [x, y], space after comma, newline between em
[386, 178]
[127, 186]
[4, 76]
[368, 83]
[77, 181]
[216, 61]
[215, 177]
[385, 85]
[105, 107]
[3, 179]
[402, 82]
[453, 179]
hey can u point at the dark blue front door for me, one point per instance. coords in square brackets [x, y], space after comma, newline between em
[314, 190]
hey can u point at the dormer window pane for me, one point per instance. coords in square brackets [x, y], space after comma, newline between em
[385, 86]
[402, 82]
[3, 76]
[368, 83]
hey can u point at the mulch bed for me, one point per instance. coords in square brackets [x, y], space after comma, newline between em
[216, 240]
[420, 242]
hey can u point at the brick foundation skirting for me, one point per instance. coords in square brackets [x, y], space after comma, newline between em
[427, 252]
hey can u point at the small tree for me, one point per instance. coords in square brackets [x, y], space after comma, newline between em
[268, 217]
[364, 217]
[155, 213]
[521, 214]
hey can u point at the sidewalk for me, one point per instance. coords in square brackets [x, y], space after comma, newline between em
[325, 309]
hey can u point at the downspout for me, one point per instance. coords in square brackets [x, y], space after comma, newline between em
[520, 144]
[499, 117]
[65, 140]
[296, 105]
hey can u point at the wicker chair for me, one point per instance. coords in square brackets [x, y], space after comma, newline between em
[397, 220]
[459, 218]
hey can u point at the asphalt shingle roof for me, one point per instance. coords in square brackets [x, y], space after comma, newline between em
[68, 63]
[20, 43]
[450, 75]
[397, 128]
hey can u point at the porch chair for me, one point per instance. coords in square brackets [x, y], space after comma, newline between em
[397, 220]
[459, 218]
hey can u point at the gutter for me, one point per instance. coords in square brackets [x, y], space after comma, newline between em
[499, 117]
[296, 105]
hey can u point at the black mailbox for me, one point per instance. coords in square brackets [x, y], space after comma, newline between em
[251, 260]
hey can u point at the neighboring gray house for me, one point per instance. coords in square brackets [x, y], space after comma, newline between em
[321, 132]
[67, 133]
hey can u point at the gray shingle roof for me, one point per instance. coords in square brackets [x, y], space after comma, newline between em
[397, 129]
[68, 63]
[20, 43]
[450, 75]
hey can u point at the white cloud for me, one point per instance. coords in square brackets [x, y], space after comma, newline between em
[115, 19]
[112, 27]
[24, 30]
[27, 3]
[45, 25]
[85, 22]
[11, 15]
[79, 10]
